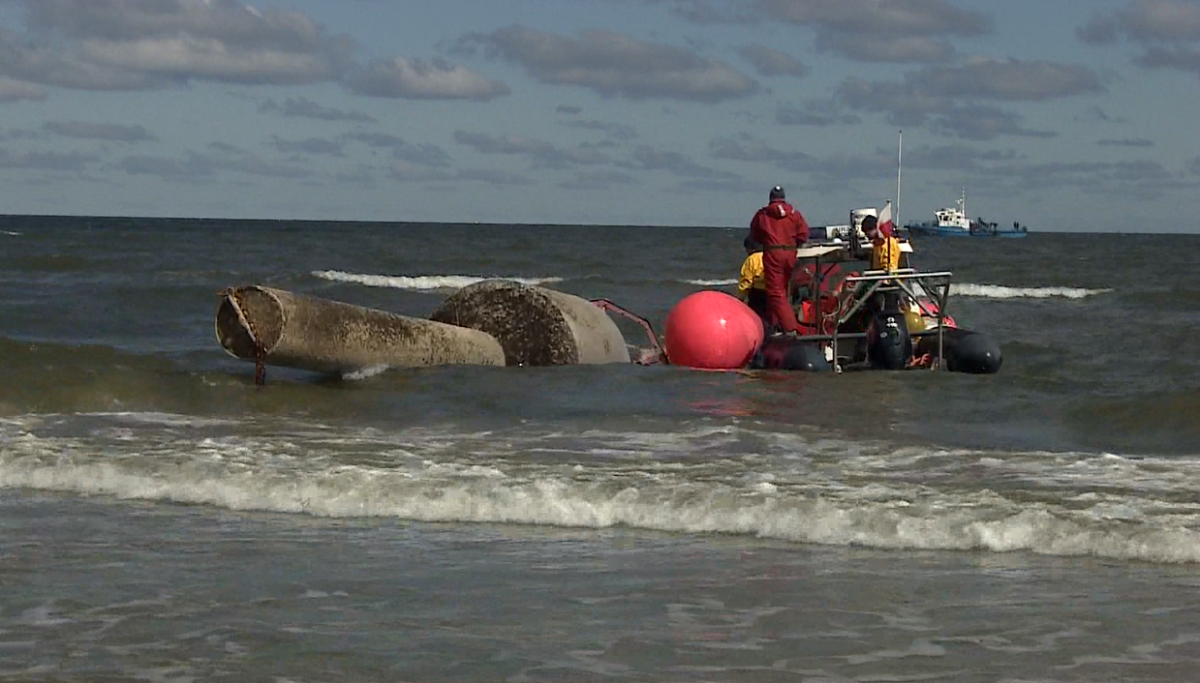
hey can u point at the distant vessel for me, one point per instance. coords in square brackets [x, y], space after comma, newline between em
[953, 222]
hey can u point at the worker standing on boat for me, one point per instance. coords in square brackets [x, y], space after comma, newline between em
[780, 229]
[885, 249]
[751, 287]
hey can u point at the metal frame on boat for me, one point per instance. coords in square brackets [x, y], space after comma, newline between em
[933, 286]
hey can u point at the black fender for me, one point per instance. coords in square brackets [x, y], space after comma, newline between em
[783, 352]
[965, 351]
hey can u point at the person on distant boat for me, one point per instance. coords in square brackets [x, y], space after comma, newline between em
[751, 287]
[780, 229]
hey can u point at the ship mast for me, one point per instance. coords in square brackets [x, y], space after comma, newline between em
[899, 165]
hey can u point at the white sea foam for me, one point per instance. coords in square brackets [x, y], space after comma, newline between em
[712, 283]
[1002, 292]
[365, 373]
[421, 282]
[966, 289]
[689, 481]
[10, 233]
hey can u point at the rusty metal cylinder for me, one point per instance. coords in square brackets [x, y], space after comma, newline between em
[535, 325]
[283, 328]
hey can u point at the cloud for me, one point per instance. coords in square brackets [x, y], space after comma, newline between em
[46, 161]
[615, 65]
[647, 158]
[815, 113]
[116, 44]
[1011, 80]
[1163, 58]
[1126, 142]
[770, 62]
[195, 167]
[405, 173]
[615, 131]
[137, 45]
[882, 30]
[1167, 30]
[302, 107]
[542, 154]
[12, 90]
[952, 93]
[1146, 22]
[402, 150]
[597, 180]
[956, 157]
[493, 176]
[310, 146]
[743, 147]
[895, 49]
[504, 144]
[1132, 179]
[978, 122]
[99, 131]
[421, 80]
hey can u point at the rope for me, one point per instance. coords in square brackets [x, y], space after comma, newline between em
[260, 351]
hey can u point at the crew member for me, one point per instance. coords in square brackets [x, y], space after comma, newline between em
[751, 287]
[885, 249]
[780, 229]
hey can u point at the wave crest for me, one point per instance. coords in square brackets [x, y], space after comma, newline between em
[421, 282]
[1002, 292]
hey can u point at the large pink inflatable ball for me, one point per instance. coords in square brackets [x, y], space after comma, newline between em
[712, 330]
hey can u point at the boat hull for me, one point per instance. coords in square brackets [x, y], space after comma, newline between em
[933, 231]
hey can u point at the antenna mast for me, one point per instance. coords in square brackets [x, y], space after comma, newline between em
[899, 165]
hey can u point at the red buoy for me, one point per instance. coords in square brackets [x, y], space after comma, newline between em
[712, 330]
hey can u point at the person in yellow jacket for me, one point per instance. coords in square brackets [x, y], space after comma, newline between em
[885, 249]
[751, 287]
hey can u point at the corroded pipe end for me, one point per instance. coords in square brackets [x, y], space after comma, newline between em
[249, 320]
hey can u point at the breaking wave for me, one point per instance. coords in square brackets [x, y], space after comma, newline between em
[824, 491]
[712, 283]
[1002, 292]
[421, 282]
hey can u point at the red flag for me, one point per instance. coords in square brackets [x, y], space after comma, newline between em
[885, 220]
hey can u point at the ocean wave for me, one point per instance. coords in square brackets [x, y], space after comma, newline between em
[964, 289]
[790, 488]
[1002, 292]
[421, 282]
[712, 283]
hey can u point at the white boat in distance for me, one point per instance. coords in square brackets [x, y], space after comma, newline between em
[953, 222]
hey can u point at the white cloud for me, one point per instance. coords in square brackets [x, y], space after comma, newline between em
[616, 65]
[419, 79]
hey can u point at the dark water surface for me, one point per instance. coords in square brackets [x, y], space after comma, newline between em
[165, 519]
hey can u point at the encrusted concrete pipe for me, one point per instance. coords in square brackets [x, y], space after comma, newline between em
[534, 325]
[276, 327]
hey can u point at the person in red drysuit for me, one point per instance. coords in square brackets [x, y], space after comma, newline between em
[780, 228]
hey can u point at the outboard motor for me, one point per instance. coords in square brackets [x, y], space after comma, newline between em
[889, 346]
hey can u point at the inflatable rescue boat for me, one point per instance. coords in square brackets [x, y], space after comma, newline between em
[852, 320]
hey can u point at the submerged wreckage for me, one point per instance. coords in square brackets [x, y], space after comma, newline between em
[503, 322]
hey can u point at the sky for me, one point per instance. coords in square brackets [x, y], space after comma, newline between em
[1063, 115]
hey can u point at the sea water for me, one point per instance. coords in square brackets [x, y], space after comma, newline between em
[164, 519]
